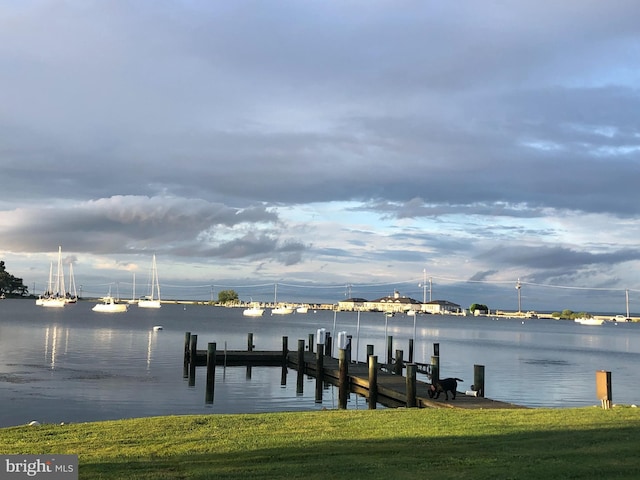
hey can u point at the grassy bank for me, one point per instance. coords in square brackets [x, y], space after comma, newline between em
[384, 444]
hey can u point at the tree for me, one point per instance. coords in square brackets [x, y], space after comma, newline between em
[227, 296]
[478, 306]
[10, 284]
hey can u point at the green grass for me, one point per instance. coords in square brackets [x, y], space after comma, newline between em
[382, 444]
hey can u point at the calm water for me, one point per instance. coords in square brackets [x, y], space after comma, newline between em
[75, 365]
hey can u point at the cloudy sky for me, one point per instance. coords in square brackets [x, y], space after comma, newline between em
[321, 144]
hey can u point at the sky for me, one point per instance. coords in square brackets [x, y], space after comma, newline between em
[323, 149]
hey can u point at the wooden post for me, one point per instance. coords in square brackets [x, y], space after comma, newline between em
[250, 344]
[311, 342]
[436, 349]
[301, 366]
[411, 385]
[389, 349]
[603, 388]
[285, 349]
[411, 350]
[478, 380]
[319, 371]
[348, 349]
[211, 372]
[369, 351]
[193, 346]
[397, 367]
[435, 368]
[373, 381]
[187, 341]
[328, 345]
[343, 379]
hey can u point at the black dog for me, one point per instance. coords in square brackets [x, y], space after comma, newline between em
[445, 385]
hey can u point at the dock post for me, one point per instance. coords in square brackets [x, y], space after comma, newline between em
[250, 344]
[328, 345]
[435, 368]
[389, 348]
[311, 342]
[436, 349]
[369, 351]
[187, 341]
[373, 381]
[211, 372]
[478, 379]
[411, 350]
[193, 349]
[319, 371]
[343, 379]
[397, 367]
[603, 388]
[411, 385]
[285, 348]
[300, 376]
[348, 349]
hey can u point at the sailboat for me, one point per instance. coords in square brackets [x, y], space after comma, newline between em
[56, 297]
[282, 309]
[133, 291]
[72, 295]
[153, 299]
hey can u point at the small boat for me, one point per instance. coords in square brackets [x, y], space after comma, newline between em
[589, 321]
[152, 300]
[254, 311]
[282, 310]
[157, 328]
[411, 313]
[109, 305]
[302, 309]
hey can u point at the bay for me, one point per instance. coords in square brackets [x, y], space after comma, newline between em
[76, 365]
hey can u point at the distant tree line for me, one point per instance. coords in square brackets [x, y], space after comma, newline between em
[570, 315]
[10, 285]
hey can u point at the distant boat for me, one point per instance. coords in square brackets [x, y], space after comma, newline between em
[302, 309]
[589, 321]
[153, 299]
[109, 305]
[254, 311]
[72, 295]
[282, 309]
[55, 297]
[411, 313]
[133, 291]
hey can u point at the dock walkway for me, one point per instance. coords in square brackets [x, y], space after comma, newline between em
[391, 387]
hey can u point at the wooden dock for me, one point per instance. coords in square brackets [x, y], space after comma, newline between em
[391, 388]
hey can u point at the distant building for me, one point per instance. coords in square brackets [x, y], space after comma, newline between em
[441, 307]
[351, 304]
[393, 303]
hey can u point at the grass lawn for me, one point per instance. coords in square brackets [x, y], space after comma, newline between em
[356, 444]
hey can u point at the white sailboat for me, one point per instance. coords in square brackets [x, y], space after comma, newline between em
[72, 296]
[133, 291]
[56, 298]
[253, 310]
[282, 309]
[153, 299]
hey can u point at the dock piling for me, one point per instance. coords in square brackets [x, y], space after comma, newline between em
[373, 381]
[211, 372]
[478, 379]
[411, 385]
[193, 351]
